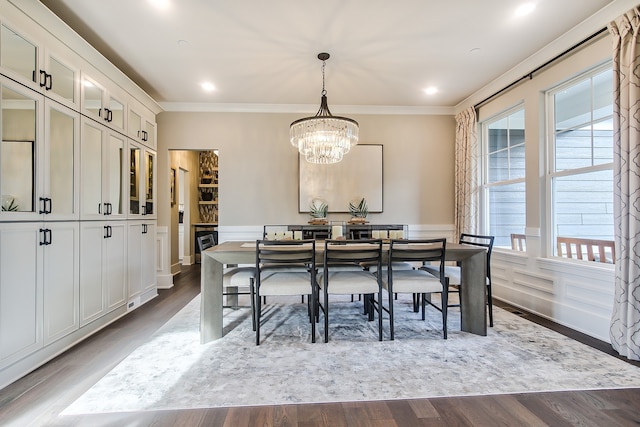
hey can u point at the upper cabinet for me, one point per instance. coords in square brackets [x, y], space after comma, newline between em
[142, 125]
[103, 103]
[47, 68]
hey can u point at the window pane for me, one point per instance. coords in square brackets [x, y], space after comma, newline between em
[506, 212]
[583, 205]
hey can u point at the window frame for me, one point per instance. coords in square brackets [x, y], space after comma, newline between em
[485, 185]
[549, 244]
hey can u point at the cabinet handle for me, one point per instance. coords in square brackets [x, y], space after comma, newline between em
[48, 232]
[106, 232]
[43, 78]
[145, 135]
[109, 208]
[43, 210]
[47, 202]
[107, 115]
[43, 239]
[144, 228]
[110, 117]
[48, 81]
[144, 209]
[110, 231]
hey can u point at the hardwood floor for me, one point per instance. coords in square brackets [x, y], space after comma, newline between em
[38, 398]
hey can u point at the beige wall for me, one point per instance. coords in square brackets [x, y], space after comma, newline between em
[259, 168]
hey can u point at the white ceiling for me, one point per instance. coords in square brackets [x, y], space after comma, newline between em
[383, 53]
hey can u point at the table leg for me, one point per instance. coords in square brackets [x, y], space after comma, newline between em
[473, 295]
[211, 303]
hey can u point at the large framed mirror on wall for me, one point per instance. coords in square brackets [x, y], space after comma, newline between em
[358, 175]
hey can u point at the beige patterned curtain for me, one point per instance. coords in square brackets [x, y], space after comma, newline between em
[466, 170]
[625, 320]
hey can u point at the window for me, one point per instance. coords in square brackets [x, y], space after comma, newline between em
[581, 158]
[504, 176]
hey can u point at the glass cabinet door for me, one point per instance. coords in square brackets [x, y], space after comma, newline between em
[113, 179]
[62, 129]
[92, 95]
[91, 170]
[115, 113]
[62, 80]
[150, 177]
[17, 54]
[18, 153]
[135, 125]
[134, 180]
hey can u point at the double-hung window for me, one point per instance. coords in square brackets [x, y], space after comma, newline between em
[580, 158]
[503, 182]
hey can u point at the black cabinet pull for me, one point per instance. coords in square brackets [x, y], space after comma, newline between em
[107, 115]
[43, 78]
[48, 81]
[144, 210]
[46, 236]
[144, 228]
[145, 135]
[108, 231]
[48, 232]
[110, 116]
[109, 208]
[43, 209]
[47, 203]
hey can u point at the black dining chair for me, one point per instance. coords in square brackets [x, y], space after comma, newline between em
[342, 275]
[417, 281]
[286, 267]
[454, 272]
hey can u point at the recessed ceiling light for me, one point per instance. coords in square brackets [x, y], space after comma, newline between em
[161, 4]
[208, 86]
[525, 9]
[431, 90]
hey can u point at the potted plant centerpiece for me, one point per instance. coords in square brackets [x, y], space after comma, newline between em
[318, 210]
[359, 211]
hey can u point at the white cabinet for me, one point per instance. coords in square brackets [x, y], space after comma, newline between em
[142, 125]
[38, 170]
[142, 180]
[141, 238]
[101, 172]
[61, 287]
[102, 103]
[102, 268]
[45, 67]
[20, 291]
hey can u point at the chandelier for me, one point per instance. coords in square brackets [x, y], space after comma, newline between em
[324, 138]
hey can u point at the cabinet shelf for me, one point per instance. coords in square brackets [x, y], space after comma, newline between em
[208, 185]
[213, 202]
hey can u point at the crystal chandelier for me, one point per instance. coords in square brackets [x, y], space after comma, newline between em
[324, 138]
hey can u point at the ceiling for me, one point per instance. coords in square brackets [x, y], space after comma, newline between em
[383, 53]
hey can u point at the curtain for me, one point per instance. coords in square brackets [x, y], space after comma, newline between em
[466, 173]
[625, 321]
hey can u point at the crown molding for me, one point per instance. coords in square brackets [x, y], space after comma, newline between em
[303, 109]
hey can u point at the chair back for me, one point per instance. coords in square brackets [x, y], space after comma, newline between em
[419, 251]
[479, 240]
[286, 252]
[361, 251]
[206, 241]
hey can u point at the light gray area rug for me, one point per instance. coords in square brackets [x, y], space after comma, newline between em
[174, 371]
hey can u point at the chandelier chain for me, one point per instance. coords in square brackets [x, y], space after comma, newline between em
[324, 92]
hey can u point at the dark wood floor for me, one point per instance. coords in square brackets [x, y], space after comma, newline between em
[38, 398]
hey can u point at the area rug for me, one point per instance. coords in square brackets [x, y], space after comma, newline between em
[174, 371]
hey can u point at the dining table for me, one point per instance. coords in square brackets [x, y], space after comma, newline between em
[473, 295]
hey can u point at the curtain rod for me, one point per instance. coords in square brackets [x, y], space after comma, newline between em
[530, 74]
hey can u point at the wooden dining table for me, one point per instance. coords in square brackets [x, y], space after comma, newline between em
[473, 295]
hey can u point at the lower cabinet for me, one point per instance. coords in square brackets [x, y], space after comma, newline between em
[39, 286]
[103, 265]
[141, 272]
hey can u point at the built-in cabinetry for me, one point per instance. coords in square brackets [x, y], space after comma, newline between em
[77, 181]
[209, 193]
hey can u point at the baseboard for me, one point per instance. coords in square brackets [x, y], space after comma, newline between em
[165, 281]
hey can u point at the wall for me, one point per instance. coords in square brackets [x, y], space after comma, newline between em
[258, 167]
[573, 293]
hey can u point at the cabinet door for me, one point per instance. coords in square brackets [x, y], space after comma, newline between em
[149, 257]
[113, 177]
[135, 179]
[20, 148]
[92, 294]
[93, 95]
[134, 260]
[18, 56]
[115, 262]
[115, 113]
[61, 164]
[61, 280]
[20, 291]
[150, 133]
[135, 125]
[150, 183]
[91, 170]
[61, 77]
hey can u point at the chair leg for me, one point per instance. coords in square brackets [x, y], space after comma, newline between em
[253, 303]
[490, 302]
[424, 305]
[258, 315]
[391, 329]
[416, 302]
[312, 311]
[326, 315]
[445, 301]
[379, 312]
